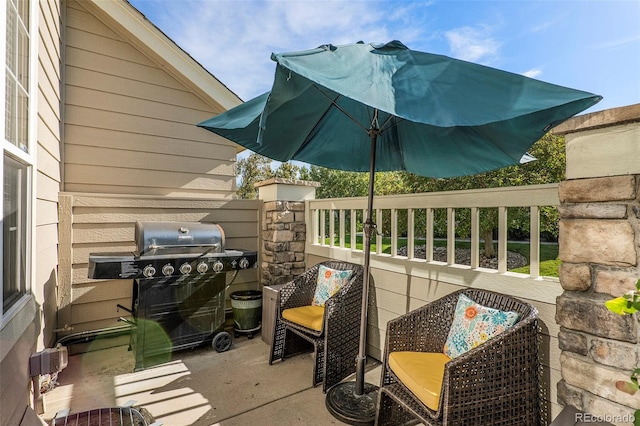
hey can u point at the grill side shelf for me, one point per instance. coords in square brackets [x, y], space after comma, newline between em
[128, 265]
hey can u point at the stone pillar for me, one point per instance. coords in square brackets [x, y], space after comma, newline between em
[599, 247]
[283, 228]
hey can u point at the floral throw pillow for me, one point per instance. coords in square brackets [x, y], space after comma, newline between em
[474, 324]
[330, 281]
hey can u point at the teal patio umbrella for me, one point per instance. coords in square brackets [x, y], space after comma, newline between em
[381, 107]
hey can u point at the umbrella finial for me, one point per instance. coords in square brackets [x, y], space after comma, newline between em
[393, 44]
[328, 46]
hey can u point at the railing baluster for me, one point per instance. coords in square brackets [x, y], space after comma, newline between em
[410, 232]
[502, 239]
[314, 224]
[475, 237]
[451, 235]
[534, 242]
[323, 227]
[332, 227]
[394, 232]
[342, 231]
[429, 234]
[353, 229]
[379, 231]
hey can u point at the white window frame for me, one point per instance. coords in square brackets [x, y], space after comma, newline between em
[26, 158]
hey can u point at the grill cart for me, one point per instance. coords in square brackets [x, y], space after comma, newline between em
[179, 274]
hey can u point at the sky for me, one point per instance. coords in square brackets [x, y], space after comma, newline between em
[583, 44]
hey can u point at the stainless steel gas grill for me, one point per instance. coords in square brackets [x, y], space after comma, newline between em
[179, 272]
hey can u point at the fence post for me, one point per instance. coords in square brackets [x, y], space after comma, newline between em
[283, 232]
[598, 244]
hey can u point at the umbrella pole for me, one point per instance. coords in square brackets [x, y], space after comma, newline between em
[355, 402]
[369, 230]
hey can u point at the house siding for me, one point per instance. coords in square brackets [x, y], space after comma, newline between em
[130, 125]
[132, 153]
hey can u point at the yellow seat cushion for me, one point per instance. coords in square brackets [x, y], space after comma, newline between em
[422, 373]
[306, 316]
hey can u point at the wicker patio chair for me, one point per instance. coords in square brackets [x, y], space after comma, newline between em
[335, 346]
[495, 383]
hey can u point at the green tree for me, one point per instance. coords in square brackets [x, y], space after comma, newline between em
[256, 168]
[336, 183]
[548, 168]
[252, 169]
[287, 170]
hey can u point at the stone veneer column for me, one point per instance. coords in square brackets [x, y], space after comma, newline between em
[599, 247]
[283, 228]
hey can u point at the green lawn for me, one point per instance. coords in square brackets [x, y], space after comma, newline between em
[549, 262]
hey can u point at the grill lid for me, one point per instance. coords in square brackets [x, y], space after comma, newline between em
[155, 237]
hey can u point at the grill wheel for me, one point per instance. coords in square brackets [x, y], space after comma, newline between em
[221, 342]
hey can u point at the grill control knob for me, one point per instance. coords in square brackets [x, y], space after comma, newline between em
[244, 263]
[185, 269]
[167, 269]
[202, 267]
[149, 271]
[217, 266]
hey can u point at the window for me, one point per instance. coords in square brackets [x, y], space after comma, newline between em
[17, 164]
[14, 232]
[17, 73]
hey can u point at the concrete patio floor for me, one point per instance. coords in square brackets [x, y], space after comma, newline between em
[199, 387]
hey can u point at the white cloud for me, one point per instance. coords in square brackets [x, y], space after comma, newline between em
[617, 43]
[473, 44]
[533, 73]
[234, 39]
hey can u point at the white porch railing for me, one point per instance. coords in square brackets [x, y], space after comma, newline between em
[533, 197]
[404, 283]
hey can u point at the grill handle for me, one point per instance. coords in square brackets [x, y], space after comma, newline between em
[162, 246]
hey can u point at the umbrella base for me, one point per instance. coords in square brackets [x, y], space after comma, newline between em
[343, 403]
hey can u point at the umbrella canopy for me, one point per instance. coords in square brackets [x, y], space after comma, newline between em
[437, 116]
[426, 114]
